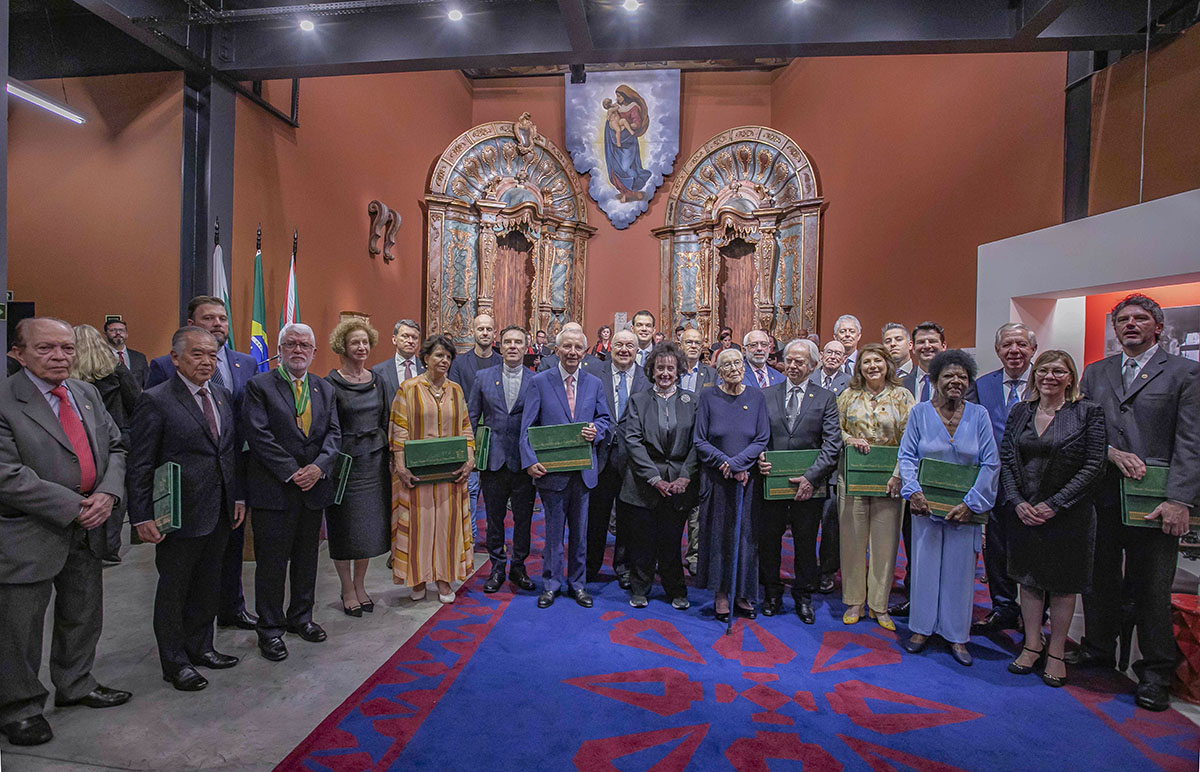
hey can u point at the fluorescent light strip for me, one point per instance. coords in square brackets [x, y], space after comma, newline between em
[19, 89]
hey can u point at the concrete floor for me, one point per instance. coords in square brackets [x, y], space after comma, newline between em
[250, 716]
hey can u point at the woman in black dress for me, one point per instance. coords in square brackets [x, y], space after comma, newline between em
[732, 428]
[1052, 454]
[360, 527]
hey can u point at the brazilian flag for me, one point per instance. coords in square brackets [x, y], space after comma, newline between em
[258, 322]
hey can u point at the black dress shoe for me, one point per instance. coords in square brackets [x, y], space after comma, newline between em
[1086, 658]
[899, 610]
[826, 585]
[34, 730]
[273, 649]
[546, 599]
[352, 611]
[915, 647]
[100, 697]
[804, 610]
[215, 660]
[960, 654]
[187, 679]
[638, 601]
[493, 582]
[723, 618]
[309, 631]
[772, 606]
[749, 612]
[1152, 696]
[522, 580]
[624, 581]
[994, 622]
[369, 606]
[243, 621]
[582, 598]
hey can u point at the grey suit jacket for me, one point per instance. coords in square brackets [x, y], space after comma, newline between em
[817, 426]
[839, 384]
[1158, 419]
[39, 475]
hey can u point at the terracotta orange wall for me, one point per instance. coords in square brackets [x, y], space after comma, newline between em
[1097, 307]
[93, 210]
[1172, 125]
[921, 159]
[361, 138]
[623, 266]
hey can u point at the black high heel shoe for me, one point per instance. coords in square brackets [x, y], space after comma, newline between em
[351, 611]
[1016, 669]
[369, 606]
[1055, 681]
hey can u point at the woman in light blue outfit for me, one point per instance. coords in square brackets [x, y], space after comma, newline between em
[947, 428]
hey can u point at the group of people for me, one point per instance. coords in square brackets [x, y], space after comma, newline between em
[678, 457]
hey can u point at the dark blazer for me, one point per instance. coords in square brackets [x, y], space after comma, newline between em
[168, 425]
[1074, 469]
[705, 378]
[840, 383]
[590, 364]
[612, 450]
[751, 380]
[487, 400]
[386, 370]
[119, 390]
[277, 446]
[648, 457]
[988, 390]
[546, 405]
[910, 383]
[243, 367]
[817, 426]
[1159, 419]
[39, 478]
[138, 366]
[464, 368]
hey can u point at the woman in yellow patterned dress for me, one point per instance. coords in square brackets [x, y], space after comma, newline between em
[431, 522]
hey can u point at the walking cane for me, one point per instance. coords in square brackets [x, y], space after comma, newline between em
[737, 541]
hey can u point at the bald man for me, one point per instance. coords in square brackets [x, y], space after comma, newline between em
[462, 372]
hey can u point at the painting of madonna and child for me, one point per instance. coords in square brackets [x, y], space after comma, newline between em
[622, 129]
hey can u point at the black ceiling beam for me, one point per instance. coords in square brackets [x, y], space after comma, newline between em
[75, 45]
[171, 43]
[574, 16]
[1037, 19]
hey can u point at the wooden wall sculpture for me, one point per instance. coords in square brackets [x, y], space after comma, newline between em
[748, 194]
[503, 198]
[384, 224]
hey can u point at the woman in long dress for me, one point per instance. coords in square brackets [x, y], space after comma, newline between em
[731, 429]
[431, 522]
[359, 527]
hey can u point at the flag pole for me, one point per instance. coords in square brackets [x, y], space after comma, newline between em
[258, 239]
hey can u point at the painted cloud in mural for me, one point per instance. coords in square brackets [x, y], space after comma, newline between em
[622, 129]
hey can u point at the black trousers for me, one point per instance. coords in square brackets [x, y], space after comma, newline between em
[995, 563]
[285, 550]
[831, 543]
[600, 505]
[78, 616]
[804, 520]
[654, 538]
[1150, 558]
[185, 603]
[232, 601]
[498, 487]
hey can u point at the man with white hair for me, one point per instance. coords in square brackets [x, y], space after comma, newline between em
[291, 423]
[830, 375]
[757, 347]
[848, 331]
[802, 416]
[590, 364]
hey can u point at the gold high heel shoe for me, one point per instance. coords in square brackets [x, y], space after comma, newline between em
[852, 615]
[883, 619]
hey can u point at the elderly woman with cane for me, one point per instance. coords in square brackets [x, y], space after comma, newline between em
[731, 429]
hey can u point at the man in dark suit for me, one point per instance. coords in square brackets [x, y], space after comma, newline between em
[830, 376]
[696, 376]
[620, 378]
[847, 330]
[803, 416]
[462, 372]
[998, 391]
[62, 468]
[234, 371]
[644, 327]
[188, 421]
[565, 395]
[929, 340]
[759, 375]
[590, 364]
[405, 364]
[1151, 403]
[290, 420]
[497, 399]
[117, 333]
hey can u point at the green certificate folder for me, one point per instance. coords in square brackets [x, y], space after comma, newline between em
[944, 485]
[1140, 497]
[867, 475]
[341, 473]
[561, 447]
[785, 464]
[167, 490]
[483, 443]
[435, 460]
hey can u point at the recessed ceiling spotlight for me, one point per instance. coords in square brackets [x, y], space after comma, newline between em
[797, 2]
[631, 5]
[455, 15]
[307, 25]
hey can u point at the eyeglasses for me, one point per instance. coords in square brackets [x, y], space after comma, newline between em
[1054, 371]
[731, 366]
[297, 346]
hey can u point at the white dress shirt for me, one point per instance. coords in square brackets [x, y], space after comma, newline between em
[44, 387]
[400, 362]
[195, 392]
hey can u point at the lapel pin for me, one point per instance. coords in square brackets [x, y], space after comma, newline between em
[745, 407]
[1145, 376]
[86, 406]
[497, 383]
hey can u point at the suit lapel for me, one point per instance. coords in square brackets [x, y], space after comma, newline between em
[651, 432]
[806, 398]
[289, 400]
[1147, 374]
[89, 419]
[184, 395]
[519, 403]
[38, 409]
[559, 387]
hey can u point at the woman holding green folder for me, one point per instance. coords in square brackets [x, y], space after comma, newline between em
[949, 429]
[873, 411]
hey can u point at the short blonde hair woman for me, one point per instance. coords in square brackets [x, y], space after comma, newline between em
[94, 358]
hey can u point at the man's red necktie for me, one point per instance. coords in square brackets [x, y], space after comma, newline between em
[121, 356]
[77, 436]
